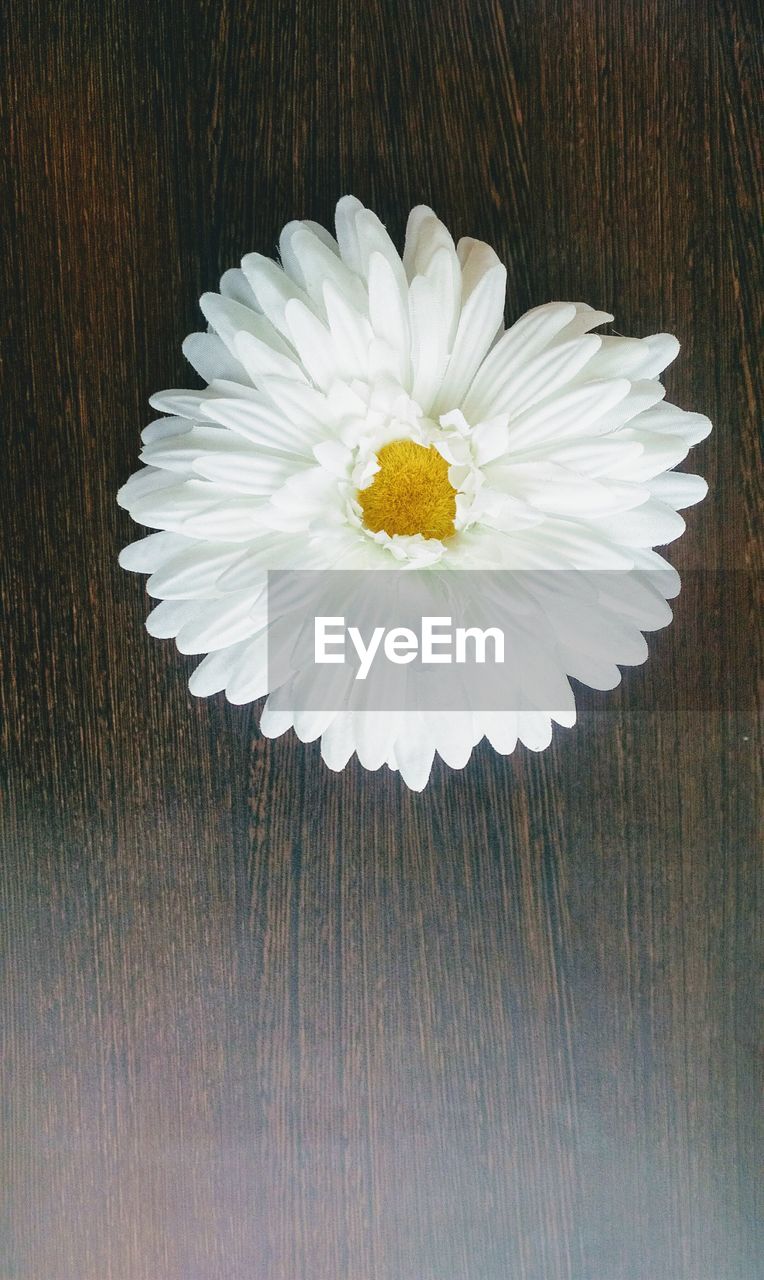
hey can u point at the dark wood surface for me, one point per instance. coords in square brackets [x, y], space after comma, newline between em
[262, 1022]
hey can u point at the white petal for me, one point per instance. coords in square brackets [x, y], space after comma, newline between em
[274, 720]
[388, 313]
[425, 236]
[373, 238]
[671, 420]
[300, 403]
[234, 285]
[534, 729]
[249, 678]
[313, 344]
[678, 489]
[476, 260]
[544, 376]
[310, 725]
[658, 453]
[527, 338]
[643, 395]
[652, 525]
[481, 315]
[634, 596]
[351, 333]
[323, 235]
[591, 670]
[455, 738]
[291, 263]
[500, 728]
[273, 289]
[414, 752]
[338, 742]
[347, 233]
[164, 428]
[662, 575]
[318, 264]
[211, 358]
[660, 350]
[214, 671]
[427, 353]
[144, 486]
[147, 554]
[585, 319]
[553, 488]
[197, 509]
[219, 623]
[561, 543]
[192, 573]
[165, 621]
[180, 402]
[262, 361]
[266, 552]
[255, 473]
[179, 451]
[262, 425]
[601, 456]
[635, 358]
[375, 734]
[582, 411]
[230, 320]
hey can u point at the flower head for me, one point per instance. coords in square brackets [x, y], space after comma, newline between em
[366, 411]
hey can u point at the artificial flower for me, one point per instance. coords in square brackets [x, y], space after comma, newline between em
[369, 411]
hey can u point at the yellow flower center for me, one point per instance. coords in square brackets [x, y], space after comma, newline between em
[410, 493]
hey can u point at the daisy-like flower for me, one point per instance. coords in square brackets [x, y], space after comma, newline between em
[366, 411]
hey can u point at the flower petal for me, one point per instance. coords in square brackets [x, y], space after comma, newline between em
[481, 316]
[678, 489]
[211, 358]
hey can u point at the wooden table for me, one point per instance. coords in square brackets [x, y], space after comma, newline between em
[262, 1022]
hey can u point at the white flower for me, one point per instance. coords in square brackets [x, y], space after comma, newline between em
[365, 411]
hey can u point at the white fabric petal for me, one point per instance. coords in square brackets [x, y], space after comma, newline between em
[669, 420]
[262, 425]
[214, 671]
[234, 285]
[248, 678]
[212, 359]
[414, 752]
[313, 344]
[481, 315]
[230, 319]
[388, 313]
[678, 489]
[220, 623]
[338, 742]
[347, 232]
[144, 486]
[193, 572]
[426, 236]
[273, 289]
[654, 524]
[351, 333]
[262, 360]
[317, 264]
[583, 411]
[527, 337]
[149, 554]
[373, 238]
[166, 620]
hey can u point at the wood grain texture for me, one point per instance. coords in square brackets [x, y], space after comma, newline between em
[261, 1022]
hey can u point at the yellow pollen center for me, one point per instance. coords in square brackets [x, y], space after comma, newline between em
[410, 493]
